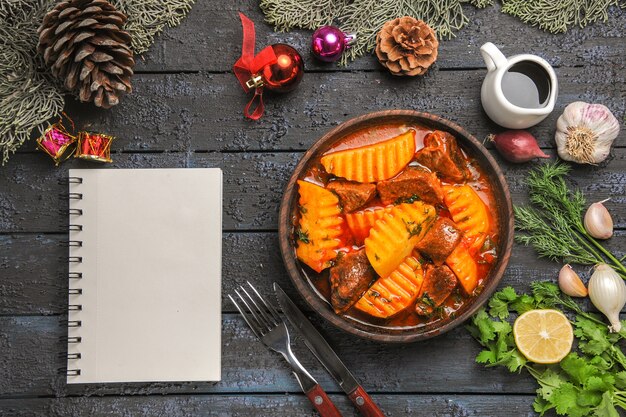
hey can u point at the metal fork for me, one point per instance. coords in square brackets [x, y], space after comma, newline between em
[268, 326]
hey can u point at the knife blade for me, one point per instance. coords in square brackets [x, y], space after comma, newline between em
[327, 356]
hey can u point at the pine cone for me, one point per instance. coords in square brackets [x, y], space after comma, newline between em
[84, 44]
[406, 46]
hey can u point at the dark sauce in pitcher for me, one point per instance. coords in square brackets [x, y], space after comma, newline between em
[526, 84]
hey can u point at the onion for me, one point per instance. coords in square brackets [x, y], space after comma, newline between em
[517, 146]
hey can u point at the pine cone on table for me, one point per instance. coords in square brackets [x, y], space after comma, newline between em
[406, 46]
[84, 44]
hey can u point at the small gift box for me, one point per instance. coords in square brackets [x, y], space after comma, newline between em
[56, 142]
[94, 147]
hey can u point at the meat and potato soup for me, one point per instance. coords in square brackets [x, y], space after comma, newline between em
[399, 225]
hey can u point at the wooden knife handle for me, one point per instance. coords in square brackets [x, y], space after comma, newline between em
[322, 403]
[364, 403]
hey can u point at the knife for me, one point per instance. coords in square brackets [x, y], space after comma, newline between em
[325, 354]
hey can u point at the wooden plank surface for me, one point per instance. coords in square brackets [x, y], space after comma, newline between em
[210, 40]
[186, 111]
[253, 186]
[204, 112]
[32, 284]
[280, 405]
[30, 361]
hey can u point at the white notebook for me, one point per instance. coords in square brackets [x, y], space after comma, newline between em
[145, 275]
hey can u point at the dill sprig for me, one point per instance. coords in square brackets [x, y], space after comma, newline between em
[553, 222]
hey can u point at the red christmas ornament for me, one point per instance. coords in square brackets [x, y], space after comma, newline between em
[277, 68]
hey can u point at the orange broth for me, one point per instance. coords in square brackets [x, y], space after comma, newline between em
[485, 259]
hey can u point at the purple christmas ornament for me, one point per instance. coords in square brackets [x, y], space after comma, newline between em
[329, 42]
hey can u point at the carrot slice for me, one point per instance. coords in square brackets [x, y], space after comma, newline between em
[464, 267]
[394, 236]
[320, 226]
[360, 222]
[468, 211]
[392, 294]
[375, 162]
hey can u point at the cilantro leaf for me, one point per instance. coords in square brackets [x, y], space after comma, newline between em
[487, 357]
[591, 381]
[606, 407]
[578, 369]
[499, 302]
[564, 399]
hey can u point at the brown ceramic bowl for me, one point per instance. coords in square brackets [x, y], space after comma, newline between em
[302, 276]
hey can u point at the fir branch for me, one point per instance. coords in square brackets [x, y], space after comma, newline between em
[30, 97]
[148, 18]
[366, 17]
[306, 14]
[557, 16]
[481, 4]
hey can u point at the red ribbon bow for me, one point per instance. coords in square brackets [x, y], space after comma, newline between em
[249, 65]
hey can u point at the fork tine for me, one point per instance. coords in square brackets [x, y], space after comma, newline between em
[259, 324]
[264, 317]
[264, 325]
[266, 311]
[269, 307]
[253, 327]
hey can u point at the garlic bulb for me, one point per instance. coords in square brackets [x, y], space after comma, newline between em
[598, 221]
[607, 292]
[570, 282]
[585, 132]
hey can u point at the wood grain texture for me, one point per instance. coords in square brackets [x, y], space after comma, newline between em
[197, 112]
[279, 405]
[210, 39]
[29, 361]
[32, 284]
[253, 186]
[186, 111]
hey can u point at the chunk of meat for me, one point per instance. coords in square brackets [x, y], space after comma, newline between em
[412, 183]
[349, 279]
[352, 195]
[439, 282]
[440, 240]
[442, 155]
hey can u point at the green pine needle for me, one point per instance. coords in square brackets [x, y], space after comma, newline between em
[364, 18]
[558, 16]
[30, 98]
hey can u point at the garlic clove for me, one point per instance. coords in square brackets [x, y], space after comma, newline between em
[570, 283]
[607, 292]
[598, 221]
[585, 132]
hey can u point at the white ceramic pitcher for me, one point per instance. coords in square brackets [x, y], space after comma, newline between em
[496, 105]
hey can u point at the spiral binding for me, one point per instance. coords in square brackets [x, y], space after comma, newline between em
[71, 243]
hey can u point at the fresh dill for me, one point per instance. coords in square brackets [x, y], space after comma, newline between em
[553, 222]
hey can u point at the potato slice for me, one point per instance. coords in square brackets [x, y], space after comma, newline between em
[320, 227]
[394, 236]
[464, 267]
[375, 162]
[360, 222]
[390, 295]
[468, 211]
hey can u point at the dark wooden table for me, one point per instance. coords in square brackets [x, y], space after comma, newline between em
[186, 111]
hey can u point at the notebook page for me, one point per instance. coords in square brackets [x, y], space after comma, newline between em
[151, 301]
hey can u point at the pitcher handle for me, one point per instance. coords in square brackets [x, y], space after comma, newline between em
[492, 56]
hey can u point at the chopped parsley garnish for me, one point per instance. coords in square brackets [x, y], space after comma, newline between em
[302, 236]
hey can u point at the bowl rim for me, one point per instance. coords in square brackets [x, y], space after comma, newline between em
[315, 302]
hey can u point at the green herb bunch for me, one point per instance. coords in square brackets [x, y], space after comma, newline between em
[590, 381]
[553, 222]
